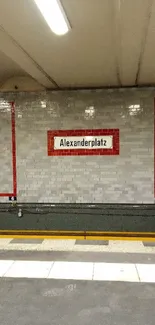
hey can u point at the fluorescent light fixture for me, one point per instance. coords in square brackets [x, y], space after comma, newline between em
[43, 103]
[54, 15]
[90, 110]
[134, 106]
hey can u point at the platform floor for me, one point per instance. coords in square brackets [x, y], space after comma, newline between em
[77, 245]
[67, 286]
[63, 302]
[66, 270]
[37, 292]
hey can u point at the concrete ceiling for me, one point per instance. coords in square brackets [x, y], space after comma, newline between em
[111, 44]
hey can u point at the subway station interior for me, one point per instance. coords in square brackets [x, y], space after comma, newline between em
[77, 162]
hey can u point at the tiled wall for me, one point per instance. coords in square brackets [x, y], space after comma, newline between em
[126, 178]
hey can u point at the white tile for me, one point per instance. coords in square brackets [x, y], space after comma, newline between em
[146, 272]
[115, 272]
[126, 246]
[29, 269]
[72, 270]
[5, 241]
[4, 266]
[57, 244]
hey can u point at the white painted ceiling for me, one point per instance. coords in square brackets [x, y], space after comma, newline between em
[111, 44]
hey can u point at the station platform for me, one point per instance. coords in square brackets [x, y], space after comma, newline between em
[63, 302]
[70, 245]
[67, 281]
[77, 259]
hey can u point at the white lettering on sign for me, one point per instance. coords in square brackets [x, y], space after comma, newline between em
[87, 142]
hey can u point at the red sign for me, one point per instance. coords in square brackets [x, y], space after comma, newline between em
[83, 142]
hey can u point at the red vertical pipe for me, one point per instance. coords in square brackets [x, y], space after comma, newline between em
[14, 149]
[154, 147]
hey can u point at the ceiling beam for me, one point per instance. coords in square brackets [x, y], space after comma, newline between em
[10, 47]
[144, 38]
[117, 37]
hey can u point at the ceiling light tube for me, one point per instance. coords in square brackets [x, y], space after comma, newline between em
[54, 15]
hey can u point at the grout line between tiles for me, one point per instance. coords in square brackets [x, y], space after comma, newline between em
[93, 271]
[137, 272]
[51, 268]
[8, 268]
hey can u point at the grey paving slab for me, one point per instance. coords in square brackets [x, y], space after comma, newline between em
[92, 242]
[78, 256]
[149, 244]
[26, 241]
[59, 302]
